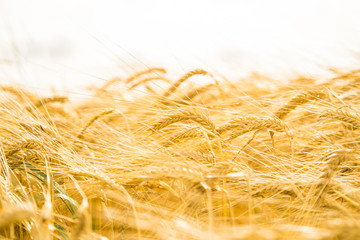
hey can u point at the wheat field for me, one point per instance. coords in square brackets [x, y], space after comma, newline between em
[246, 159]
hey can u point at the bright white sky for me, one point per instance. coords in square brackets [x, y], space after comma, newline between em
[67, 44]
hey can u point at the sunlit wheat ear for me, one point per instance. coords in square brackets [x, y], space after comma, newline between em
[183, 115]
[333, 159]
[238, 122]
[191, 133]
[24, 144]
[133, 77]
[150, 70]
[343, 115]
[45, 101]
[183, 79]
[92, 120]
[83, 224]
[274, 124]
[298, 100]
[145, 80]
[22, 94]
[196, 92]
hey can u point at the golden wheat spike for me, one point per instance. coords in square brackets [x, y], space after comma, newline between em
[182, 115]
[191, 133]
[145, 80]
[183, 79]
[274, 124]
[352, 118]
[133, 77]
[333, 159]
[44, 101]
[24, 144]
[298, 100]
[189, 96]
[92, 120]
[150, 70]
[235, 123]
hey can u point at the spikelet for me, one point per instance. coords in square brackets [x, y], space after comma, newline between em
[345, 116]
[183, 79]
[183, 115]
[300, 99]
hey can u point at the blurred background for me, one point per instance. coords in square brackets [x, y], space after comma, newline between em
[70, 44]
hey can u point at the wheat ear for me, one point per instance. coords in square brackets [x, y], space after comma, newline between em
[197, 91]
[133, 77]
[92, 120]
[18, 92]
[145, 80]
[25, 144]
[235, 123]
[183, 79]
[191, 133]
[274, 124]
[298, 100]
[44, 101]
[150, 70]
[345, 116]
[333, 159]
[182, 115]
